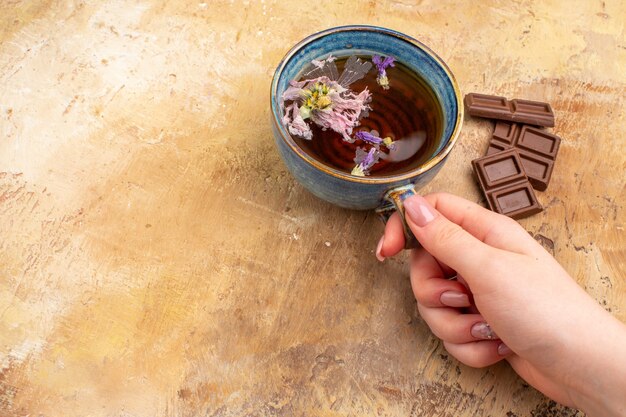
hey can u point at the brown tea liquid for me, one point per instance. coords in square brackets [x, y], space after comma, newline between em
[407, 108]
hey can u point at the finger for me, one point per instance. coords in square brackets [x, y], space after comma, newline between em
[491, 228]
[476, 354]
[450, 325]
[392, 241]
[448, 242]
[462, 280]
[472, 307]
[447, 271]
[429, 285]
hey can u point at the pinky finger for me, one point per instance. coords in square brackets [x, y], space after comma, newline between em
[477, 354]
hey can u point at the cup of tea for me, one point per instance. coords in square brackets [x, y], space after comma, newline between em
[420, 110]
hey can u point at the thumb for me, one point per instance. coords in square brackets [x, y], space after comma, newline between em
[447, 241]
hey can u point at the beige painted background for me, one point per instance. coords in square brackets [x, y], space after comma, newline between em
[156, 259]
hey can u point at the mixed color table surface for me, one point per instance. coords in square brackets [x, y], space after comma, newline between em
[156, 259]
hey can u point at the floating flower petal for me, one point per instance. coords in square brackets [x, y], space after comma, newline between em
[374, 139]
[344, 113]
[326, 101]
[364, 161]
[368, 137]
[354, 70]
[381, 65]
[322, 68]
[296, 124]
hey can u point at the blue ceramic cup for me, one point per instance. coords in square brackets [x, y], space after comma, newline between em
[383, 193]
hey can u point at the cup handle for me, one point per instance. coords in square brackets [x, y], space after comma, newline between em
[394, 201]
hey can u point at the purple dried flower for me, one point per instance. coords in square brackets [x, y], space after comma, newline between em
[381, 65]
[368, 137]
[374, 139]
[364, 161]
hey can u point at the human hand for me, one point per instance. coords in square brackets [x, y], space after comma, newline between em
[512, 301]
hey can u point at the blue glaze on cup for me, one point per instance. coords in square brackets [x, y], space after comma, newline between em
[341, 188]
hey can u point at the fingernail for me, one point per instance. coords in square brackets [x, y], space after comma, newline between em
[483, 331]
[454, 299]
[504, 350]
[379, 249]
[419, 210]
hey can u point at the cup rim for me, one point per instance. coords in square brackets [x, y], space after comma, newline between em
[288, 139]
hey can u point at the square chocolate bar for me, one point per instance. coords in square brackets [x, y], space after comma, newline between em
[504, 182]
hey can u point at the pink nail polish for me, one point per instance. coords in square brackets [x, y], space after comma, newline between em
[483, 331]
[379, 249]
[419, 210]
[504, 350]
[454, 299]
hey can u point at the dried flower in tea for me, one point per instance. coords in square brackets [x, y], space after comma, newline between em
[296, 124]
[374, 139]
[381, 65]
[364, 161]
[327, 100]
[322, 96]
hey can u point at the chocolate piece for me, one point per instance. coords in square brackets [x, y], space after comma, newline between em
[537, 149]
[538, 169]
[504, 182]
[521, 111]
[538, 141]
[516, 201]
[506, 132]
[495, 147]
